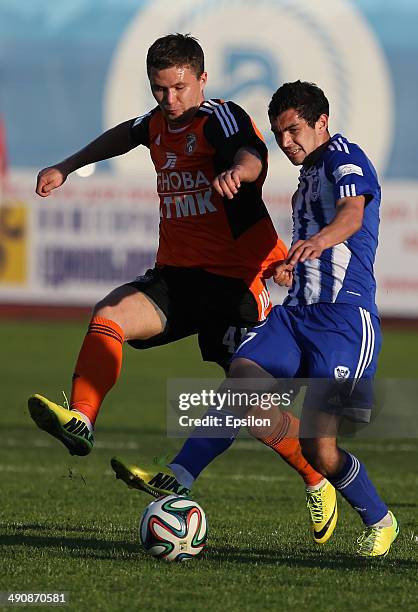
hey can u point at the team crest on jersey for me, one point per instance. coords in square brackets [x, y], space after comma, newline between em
[341, 372]
[311, 175]
[191, 142]
[316, 188]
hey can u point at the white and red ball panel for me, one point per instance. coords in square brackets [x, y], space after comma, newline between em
[173, 528]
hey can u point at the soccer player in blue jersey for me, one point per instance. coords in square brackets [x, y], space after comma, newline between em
[328, 327]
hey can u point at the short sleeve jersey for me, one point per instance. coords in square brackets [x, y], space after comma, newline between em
[343, 273]
[198, 227]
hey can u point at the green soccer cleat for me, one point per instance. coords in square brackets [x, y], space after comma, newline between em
[156, 479]
[376, 541]
[322, 506]
[62, 423]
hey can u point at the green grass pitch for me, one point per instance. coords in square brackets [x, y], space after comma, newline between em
[67, 525]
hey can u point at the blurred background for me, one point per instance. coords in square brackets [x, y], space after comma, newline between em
[68, 71]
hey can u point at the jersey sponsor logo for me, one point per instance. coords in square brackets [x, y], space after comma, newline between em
[186, 205]
[180, 182]
[342, 171]
[341, 372]
[191, 142]
[171, 159]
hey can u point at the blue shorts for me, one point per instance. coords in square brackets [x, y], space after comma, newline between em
[333, 342]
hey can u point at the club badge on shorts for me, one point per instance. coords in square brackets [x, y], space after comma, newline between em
[341, 372]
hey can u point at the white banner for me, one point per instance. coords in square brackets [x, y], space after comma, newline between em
[94, 234]
[397, 254]
[75, 245]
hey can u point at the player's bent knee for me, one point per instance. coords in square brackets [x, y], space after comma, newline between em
[113, 312]
[137, 316]
[101, 309]
[113, 305]
[321, 453]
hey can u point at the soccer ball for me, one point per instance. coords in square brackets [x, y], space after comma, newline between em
[173, 528]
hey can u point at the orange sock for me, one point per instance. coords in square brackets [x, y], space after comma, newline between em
[285, 441]
[97, 367]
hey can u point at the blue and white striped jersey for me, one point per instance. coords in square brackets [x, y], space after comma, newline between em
[343, 273]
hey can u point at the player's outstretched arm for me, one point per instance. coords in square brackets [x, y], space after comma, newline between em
[115, 141]
[347, 221]
[246, 168]
[49, 179]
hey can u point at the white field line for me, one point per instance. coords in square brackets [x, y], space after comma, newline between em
[77, 474]
[249, 445]
[30, 469]
[27, 469]
[49, 443]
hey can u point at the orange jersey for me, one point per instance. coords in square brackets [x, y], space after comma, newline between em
[198, 227]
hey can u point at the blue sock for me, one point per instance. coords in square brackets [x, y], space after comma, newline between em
[206, 443]
[356, 487]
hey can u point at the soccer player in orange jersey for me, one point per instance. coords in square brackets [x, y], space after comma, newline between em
[217, 245]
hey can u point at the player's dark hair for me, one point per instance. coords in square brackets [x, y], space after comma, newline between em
[307, 98]
[176, 50]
